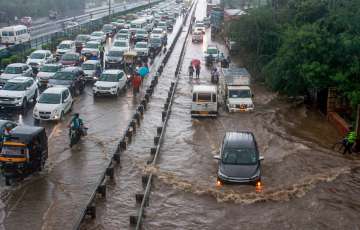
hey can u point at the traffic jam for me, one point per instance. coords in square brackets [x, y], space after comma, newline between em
[63, 110]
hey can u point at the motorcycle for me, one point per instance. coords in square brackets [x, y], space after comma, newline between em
[214, 77]
[76, 134]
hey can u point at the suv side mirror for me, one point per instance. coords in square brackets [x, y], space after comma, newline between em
[261, 158]
[217, 157]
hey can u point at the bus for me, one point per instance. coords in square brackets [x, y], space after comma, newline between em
[14, 34]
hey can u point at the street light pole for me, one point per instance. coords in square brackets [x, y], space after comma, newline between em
[109, 10]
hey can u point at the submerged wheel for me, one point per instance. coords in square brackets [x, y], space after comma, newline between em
[7, 181]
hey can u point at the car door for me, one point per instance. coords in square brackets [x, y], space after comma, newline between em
[122, 80]
[66, 100]
[32, 88]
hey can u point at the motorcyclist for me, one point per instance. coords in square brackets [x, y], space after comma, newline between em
[209, 60]
[77, 124]
[214, 75]
[349, 141]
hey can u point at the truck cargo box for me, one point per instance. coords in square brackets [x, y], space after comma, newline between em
[236, 76]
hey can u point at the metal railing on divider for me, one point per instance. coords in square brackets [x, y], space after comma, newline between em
[90, 208]
[143, 199]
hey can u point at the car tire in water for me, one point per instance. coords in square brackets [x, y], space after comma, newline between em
[62, 116]
[24, 104]
[35, 97]
[7, 181]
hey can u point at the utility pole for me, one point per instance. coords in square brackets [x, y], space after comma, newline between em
[109, 10]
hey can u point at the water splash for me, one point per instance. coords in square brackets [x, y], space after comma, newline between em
[225, 194]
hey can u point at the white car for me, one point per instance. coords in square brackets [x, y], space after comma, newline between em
[123, 45]
[66, 46]
[18, 92]
[91, 48]
[40, 57]
[98, 36]
[158, 31]
[111, 82]
[200, 27]
[142, 49]
[53, 104]
[15, 70]
[46, 72]
[122, 37]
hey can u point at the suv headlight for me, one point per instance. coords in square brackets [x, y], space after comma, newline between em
[114, 87]
[18, 98]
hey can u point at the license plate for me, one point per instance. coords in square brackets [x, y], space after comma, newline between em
[242, 110]
[204, 112]
[45, 117]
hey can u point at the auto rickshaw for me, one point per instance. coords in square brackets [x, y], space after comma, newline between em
[25, 151]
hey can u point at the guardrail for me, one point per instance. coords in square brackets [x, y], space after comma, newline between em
[143, 199]
[125, 140]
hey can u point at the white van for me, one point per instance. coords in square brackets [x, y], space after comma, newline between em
[205, 101]
[140, 23]
[14, 34]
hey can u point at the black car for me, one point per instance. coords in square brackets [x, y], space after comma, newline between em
[72, 77]
[239, 160]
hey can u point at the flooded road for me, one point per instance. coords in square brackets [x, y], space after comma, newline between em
[54, 198]
[306, 185]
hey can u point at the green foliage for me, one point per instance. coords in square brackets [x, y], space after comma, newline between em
[305, 44]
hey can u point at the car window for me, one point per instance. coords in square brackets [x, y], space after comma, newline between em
[29, 83]
[67, 93]
[63, 96]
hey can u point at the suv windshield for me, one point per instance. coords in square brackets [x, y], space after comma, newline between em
[239, 156]
[107, 27]
[64, 46]
[82, 38]
[141, 32]
[70, 57]
[97, 34]
[212, 51]
[88, 66]
[92, 45]
[67, 76]
[49, 98]
[121, 44]
[239, 94]
[37, 56]
[50, 69]
[115, 53]
[14, 86]
[110, 77]
[13, 70]
[141, 45]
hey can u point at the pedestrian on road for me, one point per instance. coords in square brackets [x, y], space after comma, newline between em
[102, 51]
[197, 71]
[136, 82]
[191, 71]
[349, 141]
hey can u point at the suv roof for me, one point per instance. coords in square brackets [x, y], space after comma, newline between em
[70, 69]
[57, 89]
[20, 79]
[239, 139]
[17, 65]
[67, 42]
[41, 51]
[112, 71]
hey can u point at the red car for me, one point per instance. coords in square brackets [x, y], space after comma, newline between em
[70, 59]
